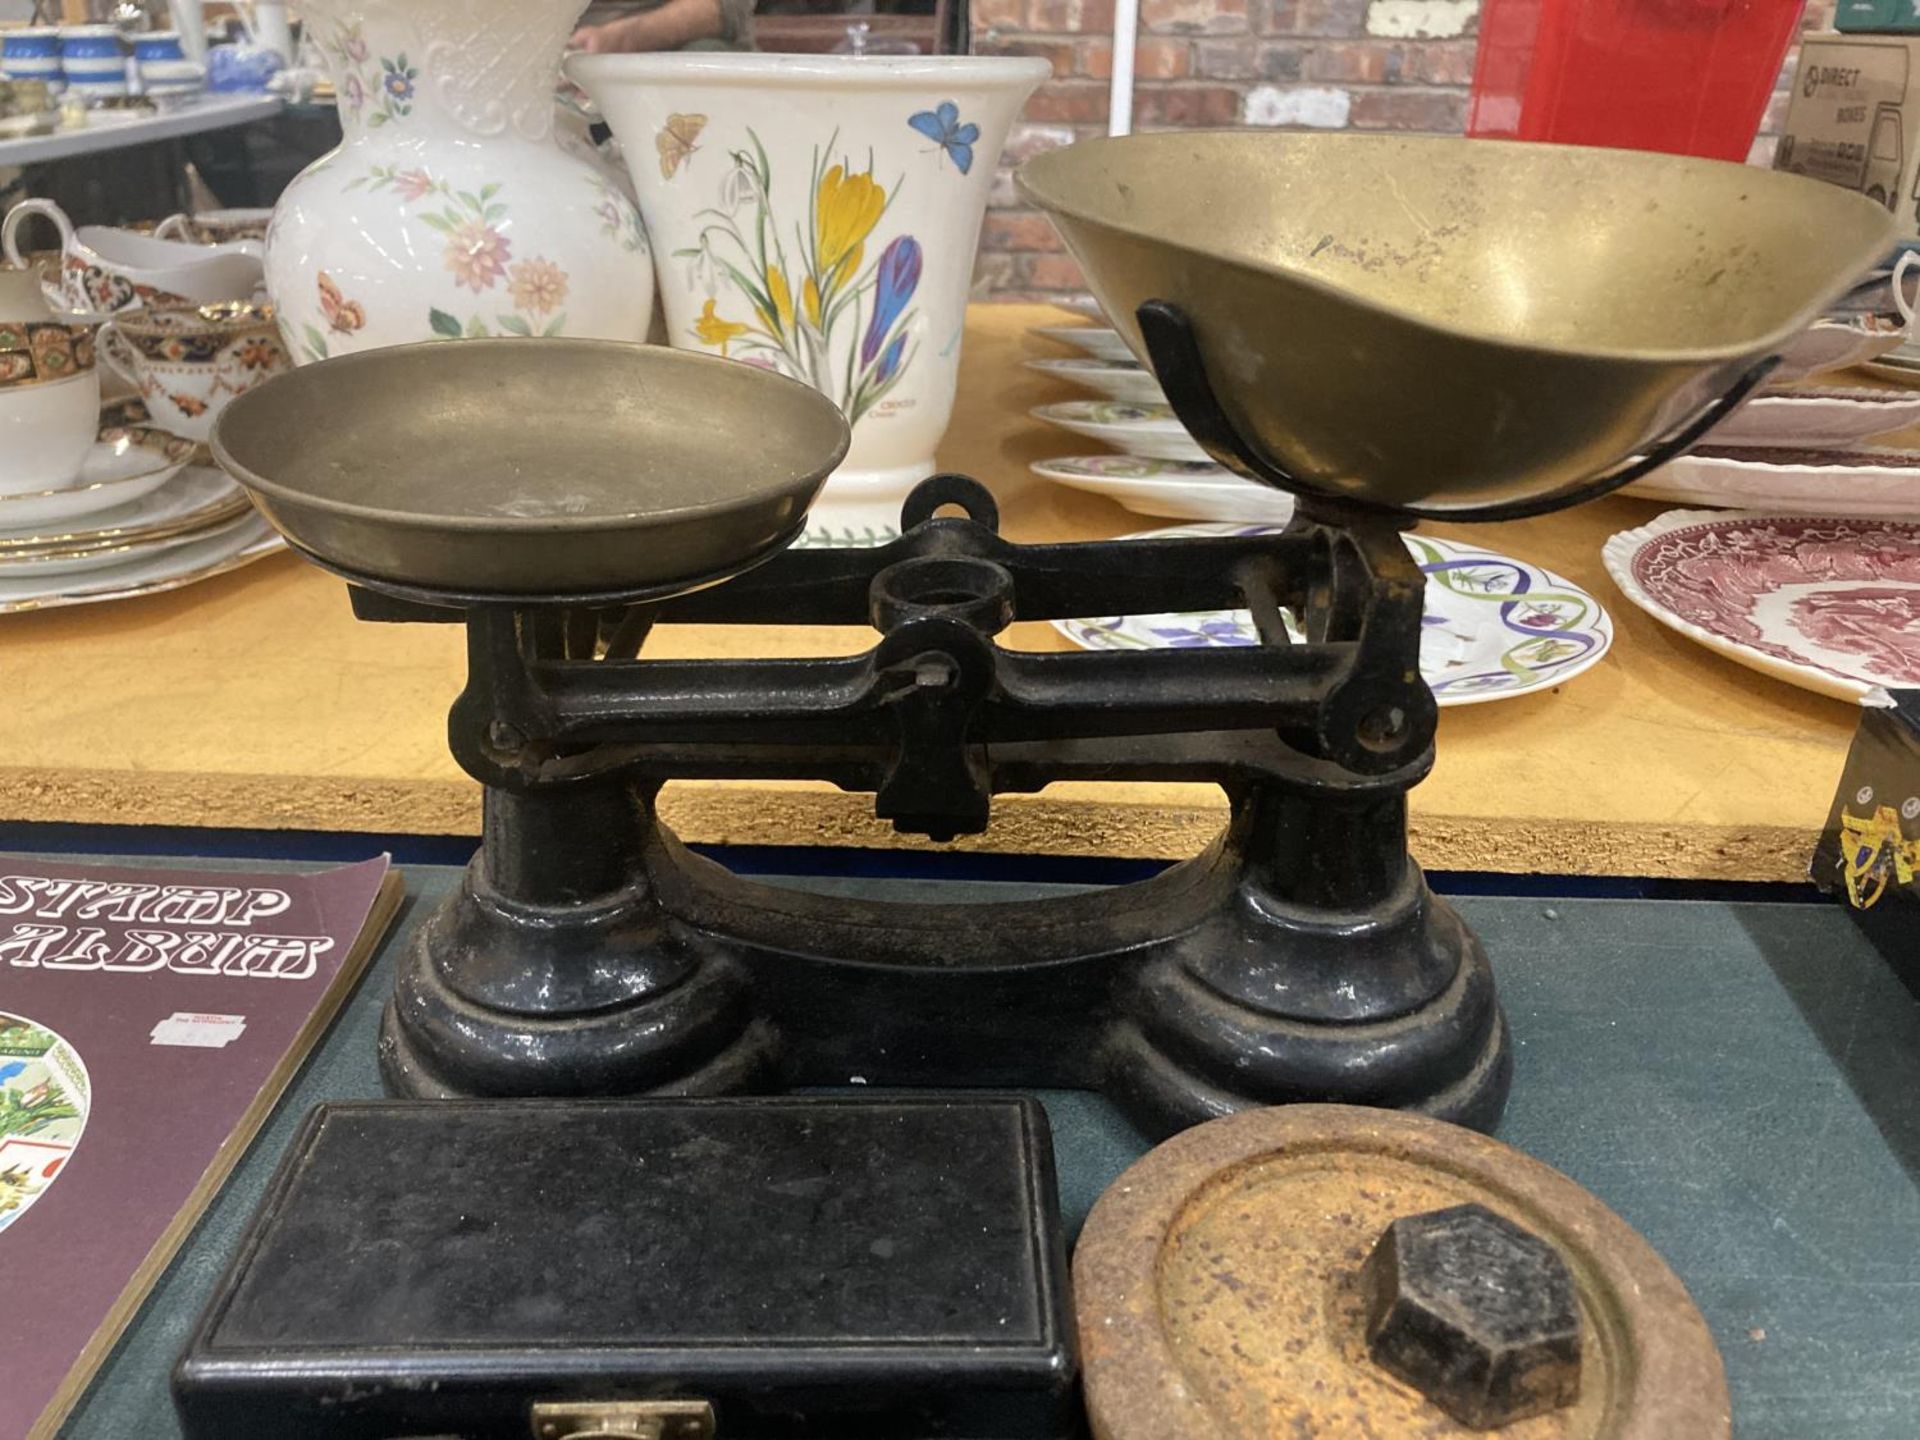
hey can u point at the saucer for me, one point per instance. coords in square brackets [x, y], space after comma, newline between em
[1099, 341]
[1179, 489]
[127, 462]
[1495, 627]
[196, 497]
[1149, 430]
[1116, 379]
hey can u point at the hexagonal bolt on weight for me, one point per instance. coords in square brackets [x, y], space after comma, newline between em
[1477, 1314]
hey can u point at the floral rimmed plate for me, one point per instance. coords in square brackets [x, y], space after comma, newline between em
[1495, 627]
[1100, 341]
[1816, 482]
[125, 463]
[1828, 603]
[1150, 430]
[1181, 489]
[1115, 379]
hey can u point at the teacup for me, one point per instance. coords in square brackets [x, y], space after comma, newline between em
[188, 361]
[49, 391]
[105, 269]
[216, 227]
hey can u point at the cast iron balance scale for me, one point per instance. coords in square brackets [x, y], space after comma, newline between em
[1390, 328]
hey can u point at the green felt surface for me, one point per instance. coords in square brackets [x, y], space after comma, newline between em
[1739, 1081]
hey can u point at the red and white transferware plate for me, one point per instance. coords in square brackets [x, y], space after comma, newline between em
[1824, 602]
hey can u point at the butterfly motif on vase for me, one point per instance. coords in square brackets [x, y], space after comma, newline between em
[675, 142]
[343, 316]
[942, 126]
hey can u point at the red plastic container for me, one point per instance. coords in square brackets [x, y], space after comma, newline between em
[1689, 77]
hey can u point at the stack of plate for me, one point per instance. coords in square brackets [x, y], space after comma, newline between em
[1810, 448]
[143, 516]
[1160, 469]
[1806, 449]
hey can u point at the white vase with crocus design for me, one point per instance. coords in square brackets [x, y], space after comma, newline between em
[451, 209]
[818, 215]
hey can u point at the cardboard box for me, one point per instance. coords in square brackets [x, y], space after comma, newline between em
[1854, 120]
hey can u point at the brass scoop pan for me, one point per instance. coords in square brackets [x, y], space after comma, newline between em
[532, 468]
[1444, 325]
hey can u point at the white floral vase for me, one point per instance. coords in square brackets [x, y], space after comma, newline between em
[818, 215]
[450, 210]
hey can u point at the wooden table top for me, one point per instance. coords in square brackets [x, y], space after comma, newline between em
[255, 700]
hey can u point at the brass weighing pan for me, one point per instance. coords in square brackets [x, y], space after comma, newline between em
[526, 468]
[1442, 326]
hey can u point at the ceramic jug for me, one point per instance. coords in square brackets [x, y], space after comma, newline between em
[449, 209]
[818, 215]
[49, 390]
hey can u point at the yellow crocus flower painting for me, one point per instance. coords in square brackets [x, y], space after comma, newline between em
[821, 310]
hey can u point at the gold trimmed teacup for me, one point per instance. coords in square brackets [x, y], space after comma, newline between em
[49, 391]
[188, 361]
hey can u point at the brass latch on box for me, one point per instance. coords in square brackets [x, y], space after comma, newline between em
[623, 1420]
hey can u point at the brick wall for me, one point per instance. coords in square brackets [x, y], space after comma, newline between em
[1291, 64]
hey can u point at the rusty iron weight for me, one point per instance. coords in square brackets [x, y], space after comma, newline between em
[1227, 1286]
[1477, 1314]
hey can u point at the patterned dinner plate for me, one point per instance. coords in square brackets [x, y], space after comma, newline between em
[1102, 342]
[1828, 603]
[1495, 627]
[1115, 379]
[1178, 489]
[1151, 430]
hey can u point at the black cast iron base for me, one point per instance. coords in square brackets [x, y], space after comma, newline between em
[1209, 988]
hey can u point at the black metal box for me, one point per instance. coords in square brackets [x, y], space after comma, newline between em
[811, 1267]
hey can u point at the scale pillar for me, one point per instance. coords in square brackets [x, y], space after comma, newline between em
[1331, 972]
[553, 970]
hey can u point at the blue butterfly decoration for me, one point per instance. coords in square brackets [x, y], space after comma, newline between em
[942, 126]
